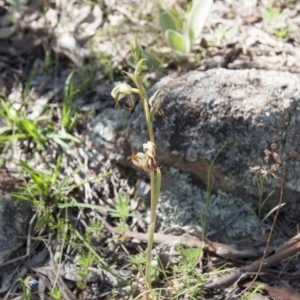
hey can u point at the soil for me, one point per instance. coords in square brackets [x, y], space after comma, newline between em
[42, 42]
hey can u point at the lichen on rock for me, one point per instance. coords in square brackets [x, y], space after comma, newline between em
[183, 203]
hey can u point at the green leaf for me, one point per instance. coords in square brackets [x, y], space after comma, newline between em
[175, 41]
[60, 137]
[12, 137]
[157, 184]
[152, 60]
[4, 129]
[32, 129]
[27, 85]
[140, 70]
[130, 61]
[131, 76]
[64, 135]
[68, 88]
[61, 143]
[271, 211]
[11, 115]
[195, 21]
[167, 21]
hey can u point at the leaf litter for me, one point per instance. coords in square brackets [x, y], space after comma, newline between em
[71, 35]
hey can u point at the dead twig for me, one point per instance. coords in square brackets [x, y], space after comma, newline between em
[281, 254]
[219, 249]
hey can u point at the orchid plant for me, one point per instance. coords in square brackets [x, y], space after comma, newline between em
[146, 160]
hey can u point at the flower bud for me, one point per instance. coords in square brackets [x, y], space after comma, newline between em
[140, 70]
[150, 149]
[137, 51]
[157, 100]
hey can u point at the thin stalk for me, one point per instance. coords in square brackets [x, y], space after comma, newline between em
[144, 99]
[149, 123]
[154, 190]
[151, 229]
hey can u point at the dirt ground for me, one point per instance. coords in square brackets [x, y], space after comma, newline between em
[42, 42]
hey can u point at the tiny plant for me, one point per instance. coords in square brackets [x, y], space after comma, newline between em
[251, 294]
[181, 34]
[122, 205]
[191, 281]
[273, 22]
[84, 262]
[145, 160]
[26, 285]
[209, 188]
[69, 109]
[284, 33]
[55, 294]
[138, 261]
[262, 173]
[221, 32]
[45, 190]
[272, 13]
[189, 258]
[40, 130]
[94, 230]
[261, 201]
[27, 86]
[277, 166]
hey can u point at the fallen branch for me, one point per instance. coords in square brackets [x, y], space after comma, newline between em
[219, 249]
[231, 277]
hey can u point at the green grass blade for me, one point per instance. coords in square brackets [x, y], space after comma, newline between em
[12, 137]
[271, 211]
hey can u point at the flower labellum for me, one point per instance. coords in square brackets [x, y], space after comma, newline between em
[130, 101]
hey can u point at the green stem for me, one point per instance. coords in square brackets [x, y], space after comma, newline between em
[144, 99]
[151, 229]
[155, 186]
[154, 190]
[149, 124]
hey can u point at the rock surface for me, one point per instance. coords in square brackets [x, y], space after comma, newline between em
[14, 220]
[248, 109]
[183, 203]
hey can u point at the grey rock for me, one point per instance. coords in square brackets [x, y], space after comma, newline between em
[14, 220]
[183, 203]
[107, 133]
[248, 109]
